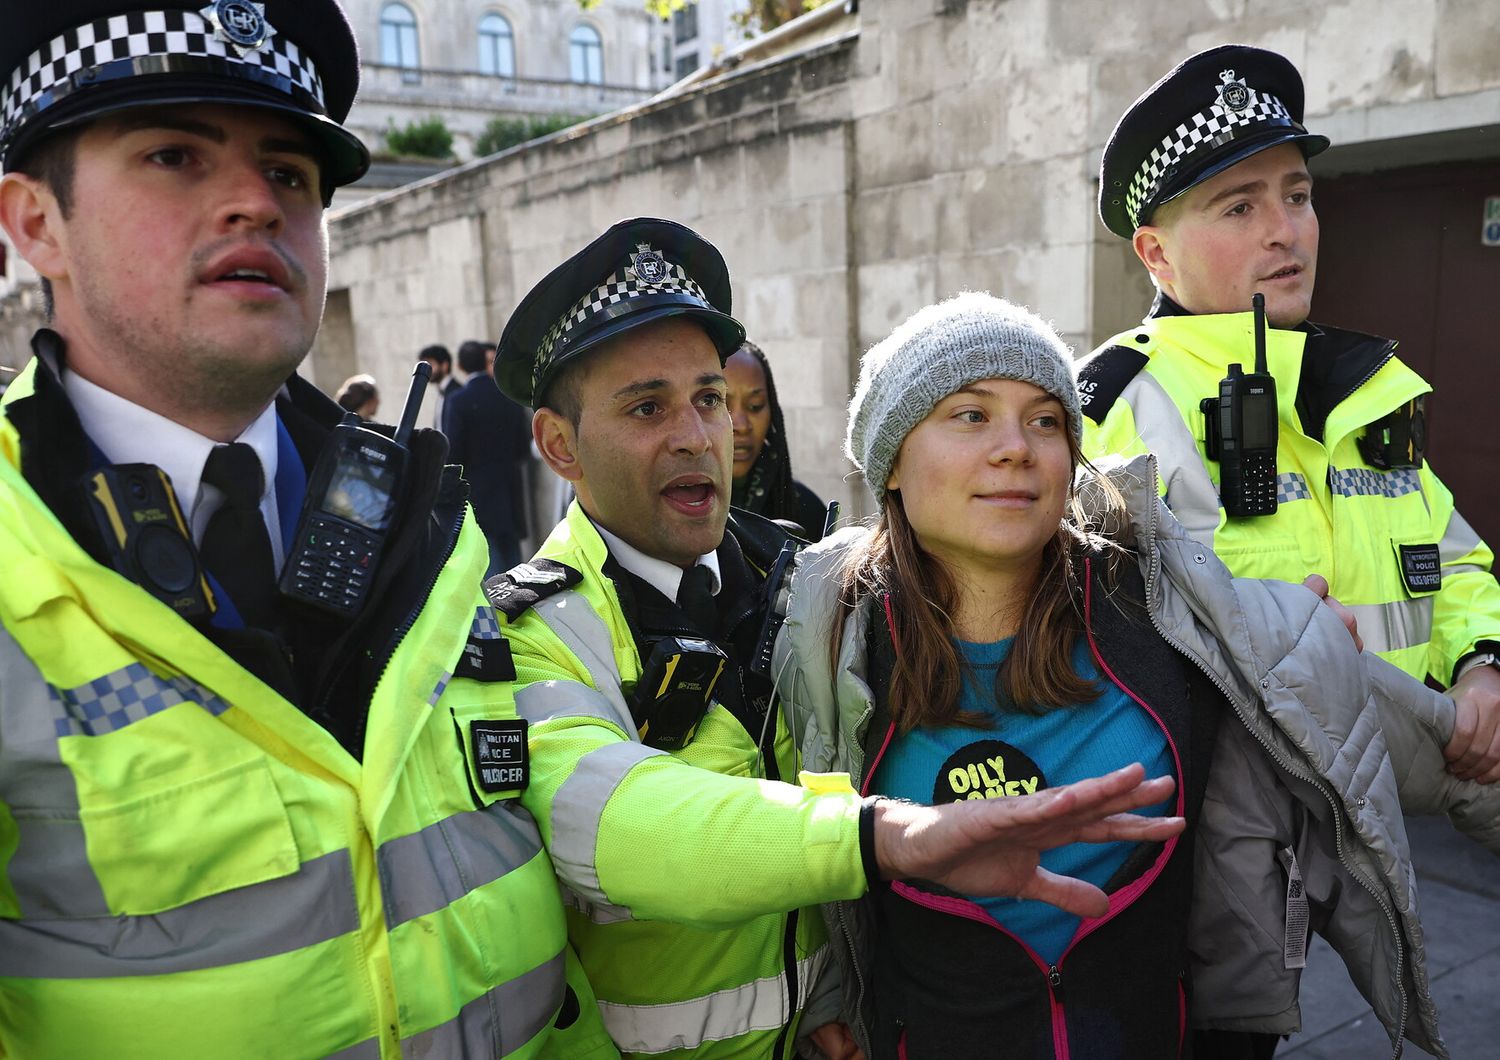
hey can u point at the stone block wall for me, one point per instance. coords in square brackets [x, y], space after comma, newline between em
[953, 144]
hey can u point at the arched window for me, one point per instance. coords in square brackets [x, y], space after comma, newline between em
[398, 37]
[497, 46]
[586, 55]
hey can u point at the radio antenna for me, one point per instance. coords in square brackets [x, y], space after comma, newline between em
[1259, 303]
[419, 377]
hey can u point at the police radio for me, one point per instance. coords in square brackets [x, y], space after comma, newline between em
[141, 523]
[1241, 431]
[675, 689]
[350, 502]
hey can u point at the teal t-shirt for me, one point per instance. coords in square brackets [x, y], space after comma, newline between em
[1018, 753]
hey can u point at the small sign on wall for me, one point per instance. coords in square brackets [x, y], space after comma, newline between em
[1490, 236]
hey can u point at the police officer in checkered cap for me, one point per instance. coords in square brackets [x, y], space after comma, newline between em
[166, 169]
[1206, 174]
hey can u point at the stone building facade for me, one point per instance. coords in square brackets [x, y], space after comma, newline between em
[915, 149]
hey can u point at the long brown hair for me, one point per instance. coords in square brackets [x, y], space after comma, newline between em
[1037, 674]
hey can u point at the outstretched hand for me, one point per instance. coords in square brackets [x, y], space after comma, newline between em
[993, 847]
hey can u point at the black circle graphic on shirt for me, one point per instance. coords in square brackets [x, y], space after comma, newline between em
[986, 769]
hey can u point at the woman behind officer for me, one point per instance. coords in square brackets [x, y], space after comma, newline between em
[763, 480]
[997, 632]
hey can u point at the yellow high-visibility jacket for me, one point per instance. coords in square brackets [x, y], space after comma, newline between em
[680, 867]
[192, 867]
[1373, 534]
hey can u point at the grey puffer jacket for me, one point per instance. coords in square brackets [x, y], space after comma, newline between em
[1330, 746]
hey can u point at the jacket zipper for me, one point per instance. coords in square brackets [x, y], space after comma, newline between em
[411, 617]
[1271, 752]
[962, 907]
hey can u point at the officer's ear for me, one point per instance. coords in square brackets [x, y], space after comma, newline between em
[1152, 244]
[31, 217]
[557, 440]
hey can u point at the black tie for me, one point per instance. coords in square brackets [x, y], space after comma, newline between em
[236, 547]
[695, 597]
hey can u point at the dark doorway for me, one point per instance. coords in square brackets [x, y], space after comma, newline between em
[1401, 256]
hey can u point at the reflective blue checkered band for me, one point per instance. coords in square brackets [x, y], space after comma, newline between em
[1291, 486]
[125, 697]
[1364, 482]
[1205, 130]
[485, 625]
[622, 286]
[145, 42]
[437, 692]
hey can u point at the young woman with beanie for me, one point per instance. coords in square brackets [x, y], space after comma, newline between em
[1015, 619]
[762, 474]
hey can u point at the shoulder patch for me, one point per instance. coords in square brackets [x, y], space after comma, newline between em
[519, 588]
[1104, 376]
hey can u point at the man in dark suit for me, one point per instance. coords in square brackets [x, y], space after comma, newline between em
[443, 379]
[490, 435]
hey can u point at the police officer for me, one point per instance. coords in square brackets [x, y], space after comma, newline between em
[1206, 174]
[230, 826]
[663, 778]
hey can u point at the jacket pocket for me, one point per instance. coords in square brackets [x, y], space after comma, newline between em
[165, 849]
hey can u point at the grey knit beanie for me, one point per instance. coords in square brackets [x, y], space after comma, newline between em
[938, 350]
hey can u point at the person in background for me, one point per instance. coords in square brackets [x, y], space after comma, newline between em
[490, 436]
[763, 481]
[442, 379]
[1005, 626]
[359, 395]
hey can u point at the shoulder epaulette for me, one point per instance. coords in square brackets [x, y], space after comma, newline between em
[761, 539]
[521, 587]
[1104, 377]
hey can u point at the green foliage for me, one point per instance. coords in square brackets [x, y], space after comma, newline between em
[429, 138]
[502, 132]
[762, 16]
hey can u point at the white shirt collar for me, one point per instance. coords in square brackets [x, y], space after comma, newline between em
[126, 433]
[658, 573]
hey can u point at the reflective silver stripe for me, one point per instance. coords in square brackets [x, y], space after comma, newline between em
[49, 869]
[428, 870]
[756, 1006]
[544, 700]
[597, 912]
[1367, 482]
[578, 807]
[369, 1049]
[312, 905]
[1396, 625]
[1459, 539]
[577, 625]
[497, 1023]
[51, 872]
[1190, 492]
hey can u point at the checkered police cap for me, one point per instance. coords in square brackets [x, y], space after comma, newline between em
[103, 55]
[1216, 109]
[639, 271]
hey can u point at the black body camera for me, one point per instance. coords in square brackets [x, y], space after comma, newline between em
[350, 506]
[1398, 440]
[1241, 431]
[675, 689]
[136, 511]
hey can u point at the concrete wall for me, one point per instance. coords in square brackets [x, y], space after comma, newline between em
[761, 165]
